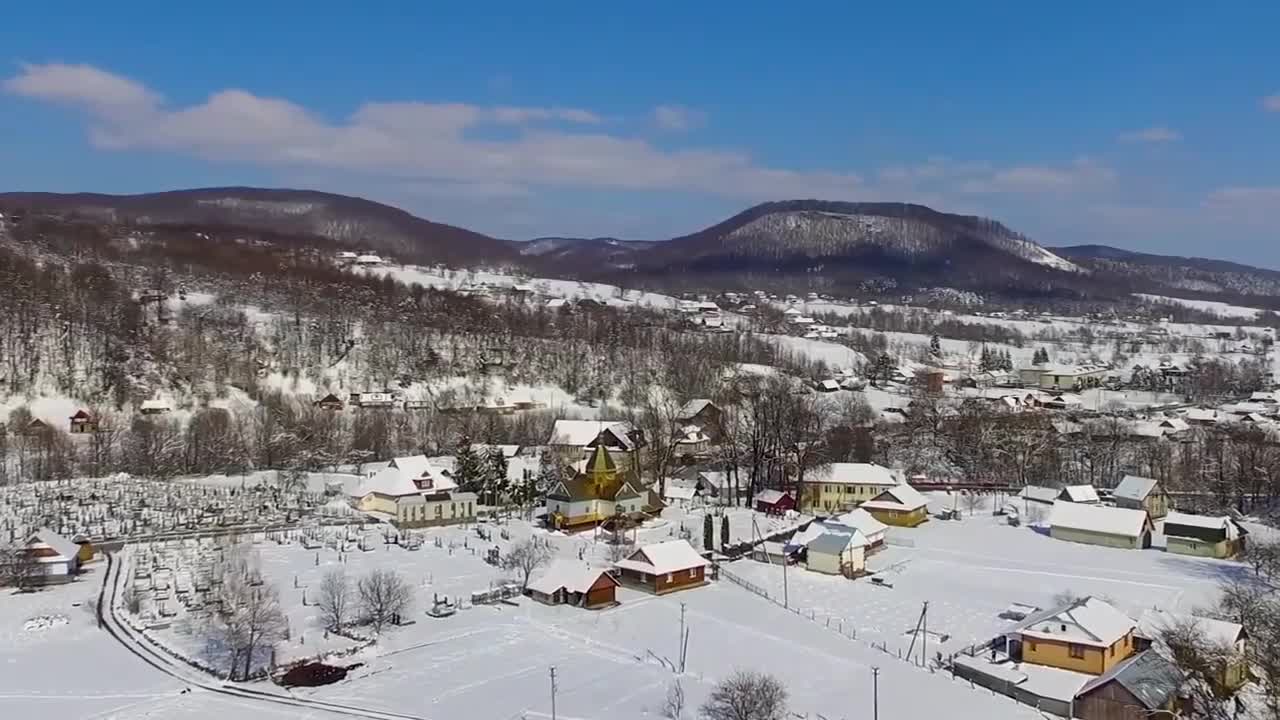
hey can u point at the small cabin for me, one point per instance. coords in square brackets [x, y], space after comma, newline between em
[83, 422]
[329, 402]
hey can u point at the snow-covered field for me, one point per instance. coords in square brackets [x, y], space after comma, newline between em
[572, 289]
[970, 570]
[1220, 308]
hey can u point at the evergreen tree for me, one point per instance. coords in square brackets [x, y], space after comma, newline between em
[1040, 357]
[550, 472]
[468, 467]
[935, 346]
[985, 364]
[495, 474]
[708, 533]
[883, 369]
[724, 531]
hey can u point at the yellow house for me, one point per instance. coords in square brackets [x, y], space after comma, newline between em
[1087, 636]
[411, 492]
[841, 487]
[901, 506]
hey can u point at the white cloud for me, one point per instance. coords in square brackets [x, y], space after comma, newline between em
[1154, 134]
[678, 118]
[412, 141]
[1083, 175]
[1271, 103]
[1245, 204]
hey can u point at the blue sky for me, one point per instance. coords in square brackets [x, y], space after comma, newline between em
[1152, 126]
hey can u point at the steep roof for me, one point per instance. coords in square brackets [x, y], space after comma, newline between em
[692, 408]
[860, 520]
[1153, 623]
[664, 557]
[1147, 676]
[583, 432]
[1098, 519]
[834, 543]
[1088, 621]
[769, 497]
[1080, 493]
[572, 575]
[1135, 488]
[66, 549]
[900, 497]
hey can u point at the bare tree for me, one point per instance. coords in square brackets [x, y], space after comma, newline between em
[746, 695]
[620, 550]
[673, 708]
[525, 558]
[384, 596]
[972, 501]
[336, 599]
[21, 567]
[250, 622]
[1204, 666]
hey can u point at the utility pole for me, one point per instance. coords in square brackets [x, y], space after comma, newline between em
[875, 693]
[553, 692]
[924, 636]
[786, 599]
[680, 644]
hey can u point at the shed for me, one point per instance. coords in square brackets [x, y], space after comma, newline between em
[1142, 493]
[1100, 525]
[1085, 494]
[58, 557]
[1132, 690]
[83, 422]
[573, 582]
[329, 402]
[154, 407]
[1202, 535]
[836, 553]
[1039, 494]
[773, 502]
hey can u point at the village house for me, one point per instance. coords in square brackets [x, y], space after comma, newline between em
[83, 422]
[1082, 494]
[154, 407]
[413, 492]
[773, 502]
[58, 557]
[373, 400]
[864, 522]
[839, 487]
[1204, 536]
[679, 493]
[901, 506]
[1063, 377]
[574, 440]
[1085, 636]
[1100, 525]
[598, 493]
[1226, 639]
[1140, 493]
[700, 412]
[572, 582]
[692, 440]
[837, 553]
[329, 402]
[664, 567]
[1142, 686]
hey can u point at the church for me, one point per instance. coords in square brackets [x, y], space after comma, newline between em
[599, 493]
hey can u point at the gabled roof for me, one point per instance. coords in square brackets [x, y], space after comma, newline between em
[1224, 523]
[1134, 487]
[82, 415]
[584, 432]
[1098, 518]
[1154, 623]
[415, 467]
[860, 520]
[900, 497]
[1150, 678]
[1088, 621]
[844, 473]
[769, 497]
[572, 575]
[1039, 493]
[692, 408]
[664, 557]
[1080, 494]
[834, 543]
[66, 549]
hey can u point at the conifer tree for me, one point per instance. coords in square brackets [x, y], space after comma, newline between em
[708, 533]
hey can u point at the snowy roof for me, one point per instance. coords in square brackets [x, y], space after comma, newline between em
[1080, 493]
[1039, 493]
[675, 491]
[1207, 522]
[572, 575]
[857, 474]
[1135, 488]
[557, 303]
[1202, 415]
[1088, 621]
[862, 521]
[508, 451]
[389, 481]
[1065, 399]
[64, 547]
[829, 385]
[834, 543]
[1146, 429]
[155, 405]
[663, 557]
[1098, 519]
[420, 467]
[1149, 677]
[693, 408]
[769, 497]
[369, 259]
[1153, 623]
[903, 497]
[811, 532]
[584, 432]
[1176, 424]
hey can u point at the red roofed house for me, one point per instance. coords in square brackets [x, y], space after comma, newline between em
[774, 502]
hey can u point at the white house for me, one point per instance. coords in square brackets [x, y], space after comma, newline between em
[58, 557]
[837, 553]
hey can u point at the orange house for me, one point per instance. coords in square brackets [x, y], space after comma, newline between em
[1087, 636]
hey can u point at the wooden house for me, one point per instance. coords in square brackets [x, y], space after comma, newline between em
[373, 400]
[1100, 525]
[1204, 536]
[83, 422]
[901, 506]
[702, 413]
[664, 567]
[329, 402]
[413, 492]
[35, 427]
[1226, 639]
[1086, 636]
[573, 582]
[1141, 687]
[773, 502]
[1140, 493]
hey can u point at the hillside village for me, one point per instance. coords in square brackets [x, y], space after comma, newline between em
[423, 477]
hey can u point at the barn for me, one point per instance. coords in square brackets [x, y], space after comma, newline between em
[573, 582]
[1100, 525]
[1205, 536]
[774, 502]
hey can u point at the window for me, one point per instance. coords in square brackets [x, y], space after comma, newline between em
[1113, 651]
[1031, 646]
[1076, 651]
[693, 572]
[671, 577]
[439, 511]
